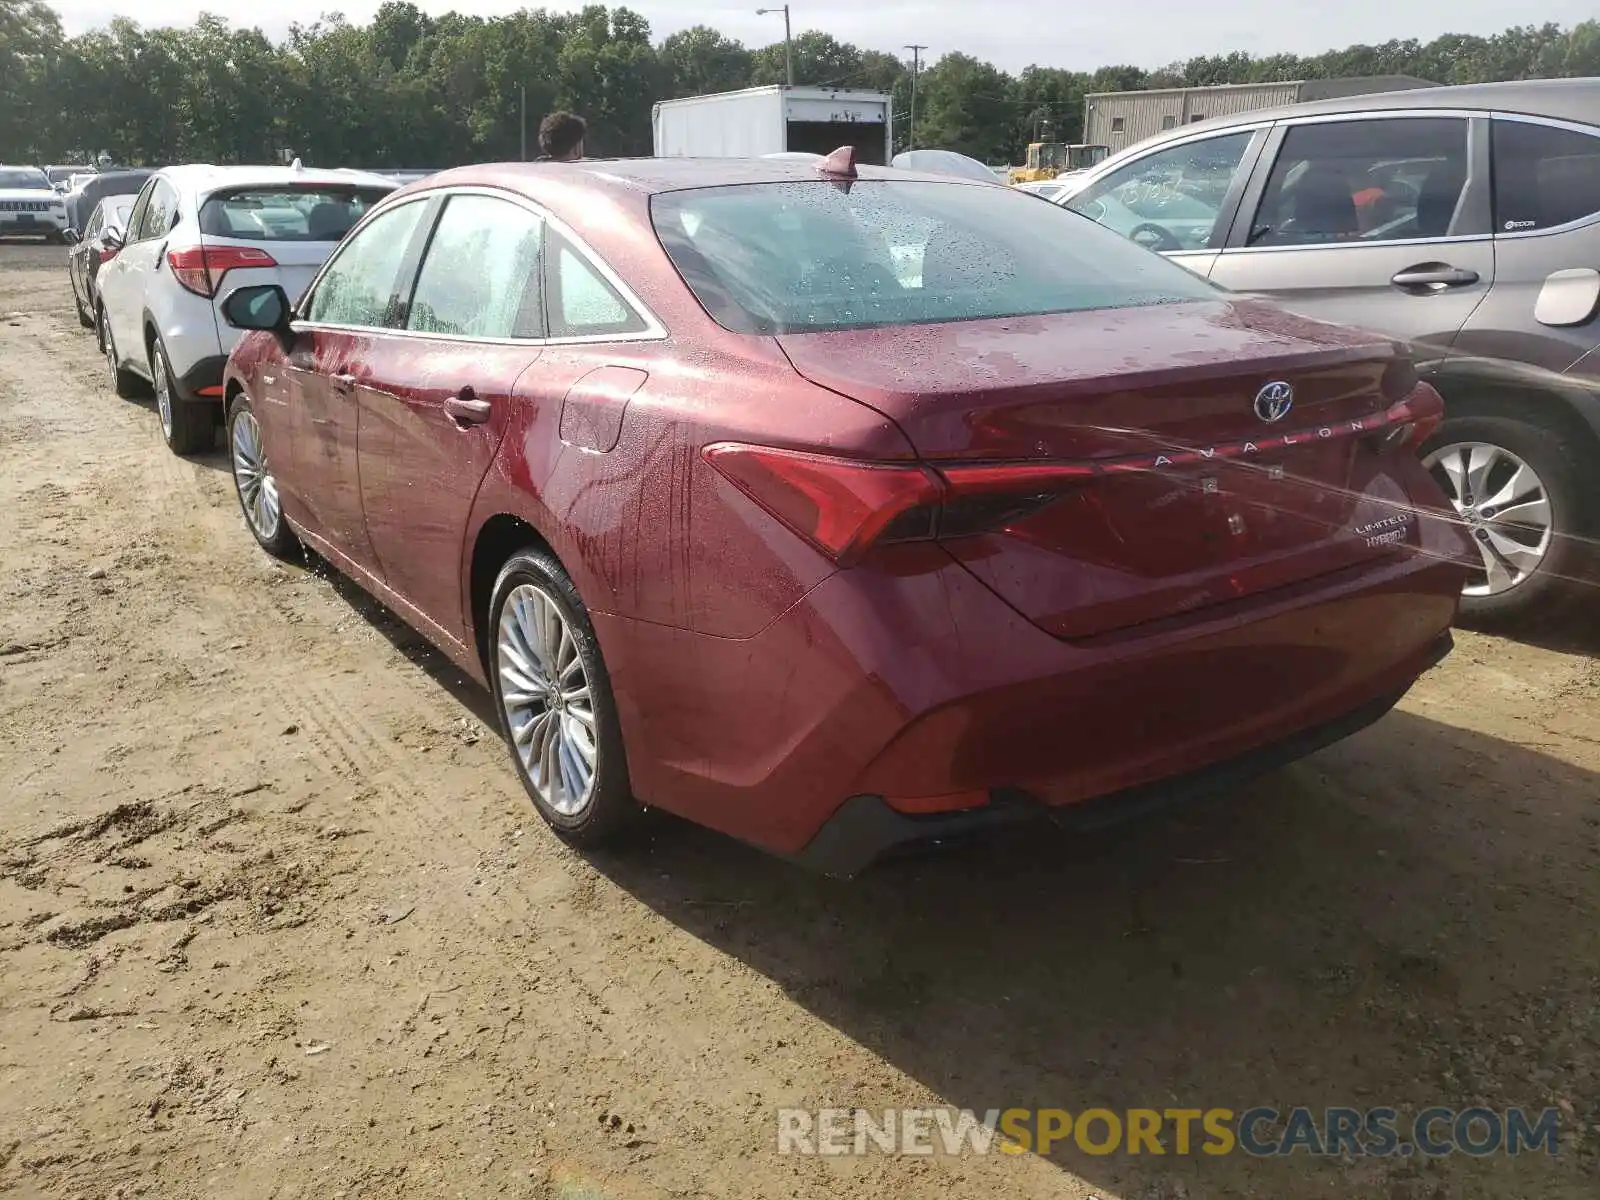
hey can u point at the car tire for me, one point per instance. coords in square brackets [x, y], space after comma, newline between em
[85, 317]
[255, 484]
[124, 382]
[189, 427]
[536, 616]
[1545, 585]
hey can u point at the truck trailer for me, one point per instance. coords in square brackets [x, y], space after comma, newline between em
[775, 120]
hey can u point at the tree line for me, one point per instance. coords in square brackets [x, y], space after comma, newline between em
[410, 90]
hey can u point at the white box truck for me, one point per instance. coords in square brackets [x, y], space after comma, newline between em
[772, 120]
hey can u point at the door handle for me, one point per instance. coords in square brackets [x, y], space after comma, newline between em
[342, 382]
[1434, 275]
[466, 409]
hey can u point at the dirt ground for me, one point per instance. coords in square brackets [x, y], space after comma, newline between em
[276, 920]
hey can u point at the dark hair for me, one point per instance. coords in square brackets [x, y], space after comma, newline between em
[561, 133]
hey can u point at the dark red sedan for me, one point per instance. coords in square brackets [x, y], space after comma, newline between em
[838, 509]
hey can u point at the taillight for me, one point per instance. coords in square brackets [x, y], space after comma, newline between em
[844, 506]
[106, 253]
[841, 506]
[1413, 421]
[200, 268]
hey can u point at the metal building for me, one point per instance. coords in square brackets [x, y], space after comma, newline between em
[1119, 119]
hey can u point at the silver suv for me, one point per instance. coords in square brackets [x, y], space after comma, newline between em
[1464, 219]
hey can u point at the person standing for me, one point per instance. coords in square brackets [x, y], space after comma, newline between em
[561, 137]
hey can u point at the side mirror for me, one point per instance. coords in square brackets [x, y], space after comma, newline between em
[260, 306]
[111, 238]
[71, 236]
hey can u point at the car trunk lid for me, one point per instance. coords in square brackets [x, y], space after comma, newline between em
[1187, 455]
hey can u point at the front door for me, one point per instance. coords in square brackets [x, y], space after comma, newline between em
[351, 307]
[434, 400]
[1378, 222]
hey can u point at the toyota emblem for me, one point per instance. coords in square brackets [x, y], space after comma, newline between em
[1274, 401]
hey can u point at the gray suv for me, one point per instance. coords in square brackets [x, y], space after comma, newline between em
[1465, 220]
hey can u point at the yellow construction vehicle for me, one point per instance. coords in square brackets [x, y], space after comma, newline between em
[1046, 160]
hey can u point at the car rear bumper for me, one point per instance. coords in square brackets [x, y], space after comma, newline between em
[913, 683]
[203, 380]
[866, 828]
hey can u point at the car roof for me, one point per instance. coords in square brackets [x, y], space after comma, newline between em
[649, 176]
[204, 178]
[1562, 99]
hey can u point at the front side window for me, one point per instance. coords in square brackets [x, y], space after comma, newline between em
[480, 274]
[314, 214]
[358, 286]
[1171, 200]
[1343, 182]
[1543, 176]
[798, 257]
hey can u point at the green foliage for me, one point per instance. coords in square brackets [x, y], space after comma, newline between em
[412, 90]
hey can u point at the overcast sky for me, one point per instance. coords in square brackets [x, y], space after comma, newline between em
[1009, 33]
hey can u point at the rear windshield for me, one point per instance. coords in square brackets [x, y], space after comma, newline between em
[322, 214]
[806, 257]
[27, 177]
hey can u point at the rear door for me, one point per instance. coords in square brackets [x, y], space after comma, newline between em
[1547, 245]
[1380, 221]
[433, 398]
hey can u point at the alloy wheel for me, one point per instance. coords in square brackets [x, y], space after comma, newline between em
[258, 490]
[545, 693]
[158, 368]
[1505, 507]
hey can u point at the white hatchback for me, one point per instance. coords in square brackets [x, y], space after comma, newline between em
[192, 229]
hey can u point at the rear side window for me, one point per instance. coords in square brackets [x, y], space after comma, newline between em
[811, 256]
[1343, 182]
[480, 275]
[358, 286]
[323, 214]
[582, 304]
[1543, 176]
[160, 213]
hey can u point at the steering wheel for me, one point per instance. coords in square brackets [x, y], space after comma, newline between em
[1154, 237]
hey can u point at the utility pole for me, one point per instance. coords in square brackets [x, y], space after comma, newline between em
[916, 66]
[522, 91]
[788, 42]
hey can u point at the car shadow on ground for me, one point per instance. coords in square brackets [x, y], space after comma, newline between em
[1366, 928]
[407, 641]
[1573, 631]
[1406, 919]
